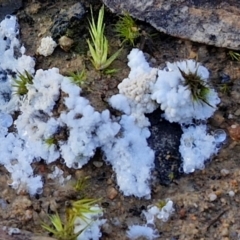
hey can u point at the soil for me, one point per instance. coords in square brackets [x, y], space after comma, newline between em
[206, 202]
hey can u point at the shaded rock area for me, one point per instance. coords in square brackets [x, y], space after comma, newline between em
[165, 141]
[9, 7]
[67, 21]
[213, 22]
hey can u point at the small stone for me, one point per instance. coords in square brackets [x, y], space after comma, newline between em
[231, 193]
[109, 181]
[235, 96]
[237, 113]
[65, 43]
[107, 228]
[218, 193]
[53, 205]
[111, 193]
[224, 232]
[97, 164]
[182, 213]
[28, 214]
[224, 172]
[223, 201]
[217, 119]
[234, 132]
[212, 197]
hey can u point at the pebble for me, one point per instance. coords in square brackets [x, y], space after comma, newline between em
[28, 214]
[231, 193]
[224, 172]
[237, 113]
[212, 197]
[224, 232]
[109, 181]
[107, 228]
[234, 132]
[65, 43]
[235, 96]
[111, 193]
[97, 164]
[217, 119]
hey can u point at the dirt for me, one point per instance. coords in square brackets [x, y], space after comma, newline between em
[206, 202]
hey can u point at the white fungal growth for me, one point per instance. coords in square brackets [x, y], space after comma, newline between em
[47, 46]
[134, 96]
[175, 97]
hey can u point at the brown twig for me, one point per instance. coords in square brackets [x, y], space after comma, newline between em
[216, 219]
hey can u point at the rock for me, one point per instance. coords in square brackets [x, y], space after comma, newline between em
[231, 193]
[224, 172]
[68, 20]
[224, 232]
[237, 113]
[9, 7]
[217, 119]
[97, 164]
[212, 197]
[213, 22]
[166, 147]
[111, 193]
[65, 43]
[234, 132]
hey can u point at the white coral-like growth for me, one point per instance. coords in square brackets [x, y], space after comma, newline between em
[176, 99]
[134, 96]
[47, 46]
[126, 153]
[89, 225]
[137, 88]
[163, 213]
[137, 231]
[196, 147]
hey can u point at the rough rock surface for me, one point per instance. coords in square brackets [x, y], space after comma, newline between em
[9, 7]
[165, 141]
[67, 20]
[214, 22]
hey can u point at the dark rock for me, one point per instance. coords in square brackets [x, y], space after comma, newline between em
[9, 7]
[165, 141]
[68, 20]
[214, 22]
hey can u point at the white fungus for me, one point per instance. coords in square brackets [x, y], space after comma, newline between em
[196, 147]
[90, 224]
[47, 46]
[175, 97]
[138, 231]
[161, 213]
[126, 158]
[134, 96]
[120, 139]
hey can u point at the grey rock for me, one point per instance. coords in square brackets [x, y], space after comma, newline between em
[213, 22]
[165, 141]
[67, 19]
[9, 7]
